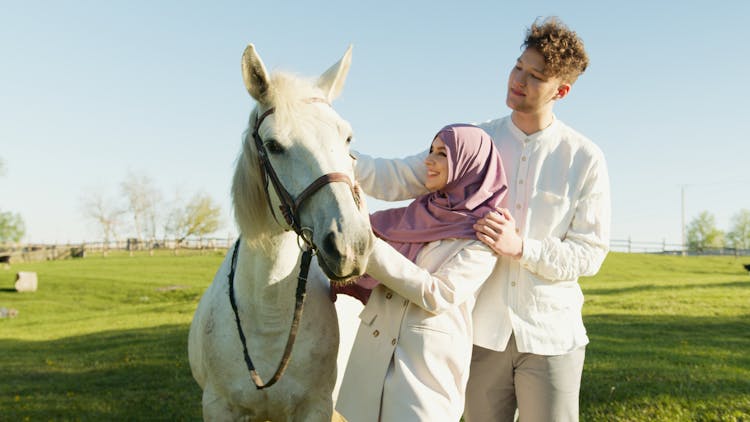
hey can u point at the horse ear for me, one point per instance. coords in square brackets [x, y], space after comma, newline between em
[332, 81]
[254, 74]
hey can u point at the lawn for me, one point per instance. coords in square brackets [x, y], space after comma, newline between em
[106, 339]
[669, 337]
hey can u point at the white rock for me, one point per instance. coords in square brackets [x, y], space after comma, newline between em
[26, 281]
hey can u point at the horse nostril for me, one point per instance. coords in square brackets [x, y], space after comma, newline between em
[331, 246]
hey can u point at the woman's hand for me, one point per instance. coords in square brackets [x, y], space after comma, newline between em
[498, 231]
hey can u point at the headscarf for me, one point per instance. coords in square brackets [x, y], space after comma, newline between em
[476, 185]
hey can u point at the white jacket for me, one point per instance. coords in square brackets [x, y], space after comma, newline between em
[410, 360]
[559, 195]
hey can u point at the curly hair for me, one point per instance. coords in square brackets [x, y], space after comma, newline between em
[562, 49]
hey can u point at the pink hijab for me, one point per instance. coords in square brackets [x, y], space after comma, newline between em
[476, 185]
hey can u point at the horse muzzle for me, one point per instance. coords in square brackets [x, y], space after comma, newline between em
[343, 257]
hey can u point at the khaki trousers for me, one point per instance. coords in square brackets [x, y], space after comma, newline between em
[543, 388]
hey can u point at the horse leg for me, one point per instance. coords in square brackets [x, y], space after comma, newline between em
[216, 408]
[314, 409]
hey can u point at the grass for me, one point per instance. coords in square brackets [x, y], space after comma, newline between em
[669, 340]
[106, 339]
[102, 339]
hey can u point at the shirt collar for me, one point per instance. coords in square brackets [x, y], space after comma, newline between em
[547, 133]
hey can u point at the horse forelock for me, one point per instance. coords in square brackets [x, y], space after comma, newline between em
[286, 94]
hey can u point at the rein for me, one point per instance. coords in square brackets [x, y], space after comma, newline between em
[290, 208]
[298, 306]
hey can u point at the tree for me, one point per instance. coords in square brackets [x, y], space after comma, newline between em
[739, 234]
[12, 227]
[175, 208]
[702, 232]
[108, 214]
[199, 217]
[143, 200]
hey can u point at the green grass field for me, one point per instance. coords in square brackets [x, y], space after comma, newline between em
[106, 339]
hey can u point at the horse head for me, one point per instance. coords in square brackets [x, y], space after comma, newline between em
[303, 140]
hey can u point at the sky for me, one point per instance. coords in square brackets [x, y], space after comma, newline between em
[92, 92]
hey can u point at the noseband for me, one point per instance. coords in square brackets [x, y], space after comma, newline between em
[290, 210]
[290, 207]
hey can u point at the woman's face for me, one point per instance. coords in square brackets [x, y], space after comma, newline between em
[437, 166]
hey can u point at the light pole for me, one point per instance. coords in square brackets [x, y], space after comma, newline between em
[684, 245]
[684, 233]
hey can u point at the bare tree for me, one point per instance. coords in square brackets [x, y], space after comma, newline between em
[107, 213]
[199, 217]
[174, 209]
[143, 201]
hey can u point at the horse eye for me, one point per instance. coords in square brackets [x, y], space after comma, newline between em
[273, 146]
[349, 140]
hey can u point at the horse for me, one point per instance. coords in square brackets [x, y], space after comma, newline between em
[242, 328]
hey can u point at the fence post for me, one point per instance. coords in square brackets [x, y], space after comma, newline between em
[630, 244]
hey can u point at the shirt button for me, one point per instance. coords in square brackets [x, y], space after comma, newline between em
[388, 295]
[518, 206]
[512, 283]
[393, 342]
[523, 158]
[375, 333]
[520, 182]
[518, 231]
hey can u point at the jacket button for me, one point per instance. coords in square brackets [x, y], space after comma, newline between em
[375, 333]
[393, 342]
[388, 295]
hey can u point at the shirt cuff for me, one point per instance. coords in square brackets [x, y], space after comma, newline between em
[532, 251]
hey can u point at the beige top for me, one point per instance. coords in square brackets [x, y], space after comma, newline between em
[410, 360]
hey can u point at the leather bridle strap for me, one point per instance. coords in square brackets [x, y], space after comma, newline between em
[319, 183]
[298, 307]
[290, 206]
[290, 209]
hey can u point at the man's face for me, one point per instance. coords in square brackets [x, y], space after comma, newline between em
[529, 89]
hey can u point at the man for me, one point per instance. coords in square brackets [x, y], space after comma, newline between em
[529, 338]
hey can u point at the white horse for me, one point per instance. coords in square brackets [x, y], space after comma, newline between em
[303, 139]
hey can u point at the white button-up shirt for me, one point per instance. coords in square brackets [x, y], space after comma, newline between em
[559, 195]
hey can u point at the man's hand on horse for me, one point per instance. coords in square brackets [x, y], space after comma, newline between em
[498, 231]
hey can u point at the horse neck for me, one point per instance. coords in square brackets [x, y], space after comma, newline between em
[266, 278]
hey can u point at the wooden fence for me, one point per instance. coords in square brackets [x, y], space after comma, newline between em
[631, 246]
[42, 252]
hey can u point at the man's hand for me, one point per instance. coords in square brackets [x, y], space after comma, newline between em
[498, 231]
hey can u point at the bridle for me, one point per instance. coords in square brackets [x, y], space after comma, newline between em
[290, 208]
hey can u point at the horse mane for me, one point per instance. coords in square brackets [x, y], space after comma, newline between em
[249, 198]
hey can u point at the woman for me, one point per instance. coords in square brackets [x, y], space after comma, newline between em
[410, 359]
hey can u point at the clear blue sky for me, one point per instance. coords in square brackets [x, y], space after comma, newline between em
[90, 91]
